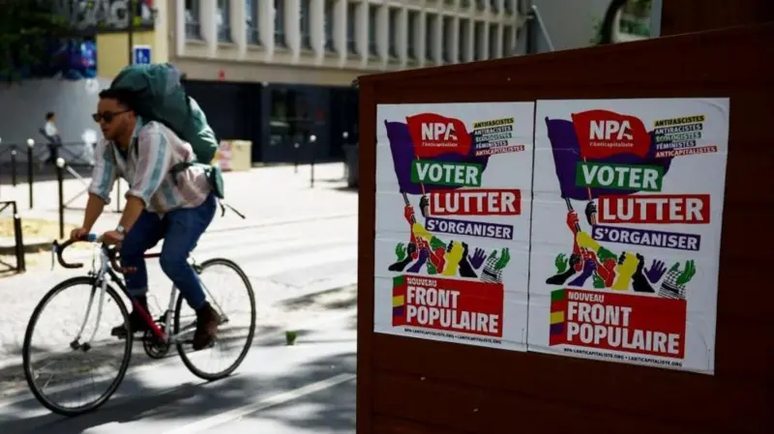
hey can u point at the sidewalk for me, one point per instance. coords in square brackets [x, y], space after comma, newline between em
[265, 195]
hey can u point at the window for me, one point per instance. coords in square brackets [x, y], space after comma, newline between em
[279, 23]
[446, 39]
[480, 4]
[373, 12]
[251, 22]
[508, 6]
[429, 38]
[507, 41]
[306, 40]
[494, 5]
[464, 41]
[411, 47]
[329, 12]
[351, 18]
[393, 17]
[478, 45]
[193, 27]
[223, 22]
[493, 52]
[465, 4]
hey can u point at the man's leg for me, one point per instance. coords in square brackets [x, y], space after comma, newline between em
[184, 227]
[145, 234]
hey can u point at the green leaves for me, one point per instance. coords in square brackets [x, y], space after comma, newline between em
[26, 27]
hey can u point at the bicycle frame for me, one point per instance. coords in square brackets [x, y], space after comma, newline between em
[106, 270]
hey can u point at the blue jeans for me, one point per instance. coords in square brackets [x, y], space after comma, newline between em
[180, 230]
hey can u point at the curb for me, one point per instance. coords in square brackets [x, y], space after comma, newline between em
[9, 248]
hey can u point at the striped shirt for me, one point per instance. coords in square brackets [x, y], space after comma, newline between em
[147, 170]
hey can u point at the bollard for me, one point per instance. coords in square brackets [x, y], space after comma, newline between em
[60, 164]
[312, 139]
[118, 195]
[13, 165]
[296, 147]
[344, 137]
[30, 168]
[21, 265]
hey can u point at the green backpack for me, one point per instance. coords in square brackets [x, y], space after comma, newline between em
[159, 96]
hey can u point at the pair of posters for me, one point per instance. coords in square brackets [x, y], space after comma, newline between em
[580, 228]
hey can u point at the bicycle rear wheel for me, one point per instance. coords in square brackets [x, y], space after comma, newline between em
[237, 327]
[75, 358]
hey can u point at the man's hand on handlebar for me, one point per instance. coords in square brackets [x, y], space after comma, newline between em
[112, 238]
[78, 234]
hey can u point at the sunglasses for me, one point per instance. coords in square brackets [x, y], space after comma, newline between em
[106, 116]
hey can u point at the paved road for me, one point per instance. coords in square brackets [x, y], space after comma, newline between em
[282, 261]
[302, 389]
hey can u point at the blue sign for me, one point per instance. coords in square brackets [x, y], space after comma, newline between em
[141, 55]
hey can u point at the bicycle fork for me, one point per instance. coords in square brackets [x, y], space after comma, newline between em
[86, 346]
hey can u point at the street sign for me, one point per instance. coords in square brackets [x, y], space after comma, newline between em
[141, 54]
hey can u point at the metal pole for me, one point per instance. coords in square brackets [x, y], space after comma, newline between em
[312, 139]
[30, 168]
[296, 147]
[60, 162]
[130, 31]
[13, 165]
[21, 265]
[130, 57]
[543, 28]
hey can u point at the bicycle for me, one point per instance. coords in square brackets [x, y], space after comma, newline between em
[163, 332]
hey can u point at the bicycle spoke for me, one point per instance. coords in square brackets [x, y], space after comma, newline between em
[84, 376]
[205, 363]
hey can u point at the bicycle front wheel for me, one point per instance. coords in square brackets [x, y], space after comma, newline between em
[71, 373]
[230, 293]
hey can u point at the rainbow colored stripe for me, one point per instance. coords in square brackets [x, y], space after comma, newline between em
[399, 300]
[558, 308]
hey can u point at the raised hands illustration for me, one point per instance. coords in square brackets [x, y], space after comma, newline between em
[400, 251]
[673, 285]
[477, 260]
[437, 259]
[465, 268]
[560, 278]
[424, 253]
[407, 256]
[656, 271]
[589, 267]
[561, 263]
[493, 268]
[639, 280]
[454, 254]
[572, 221]
[591, 212]
[599, 283]
[687, 274]
[424, 206]
[408, 214]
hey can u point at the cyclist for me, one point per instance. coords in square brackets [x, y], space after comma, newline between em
[178, 209]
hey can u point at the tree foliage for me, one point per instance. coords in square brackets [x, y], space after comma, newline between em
[639, 10]
[27, 30]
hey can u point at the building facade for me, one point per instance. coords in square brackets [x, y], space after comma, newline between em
[278, 72]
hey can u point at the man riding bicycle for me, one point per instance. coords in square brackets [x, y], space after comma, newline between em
[159, 204]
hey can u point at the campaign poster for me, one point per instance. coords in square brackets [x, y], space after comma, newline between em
[628, 203]
[452, 222]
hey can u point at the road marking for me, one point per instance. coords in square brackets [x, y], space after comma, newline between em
[237, 413]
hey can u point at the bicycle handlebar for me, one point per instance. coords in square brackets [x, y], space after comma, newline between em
[59, 248]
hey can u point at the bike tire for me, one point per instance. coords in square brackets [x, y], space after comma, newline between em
[181, 345]
[28, 371]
